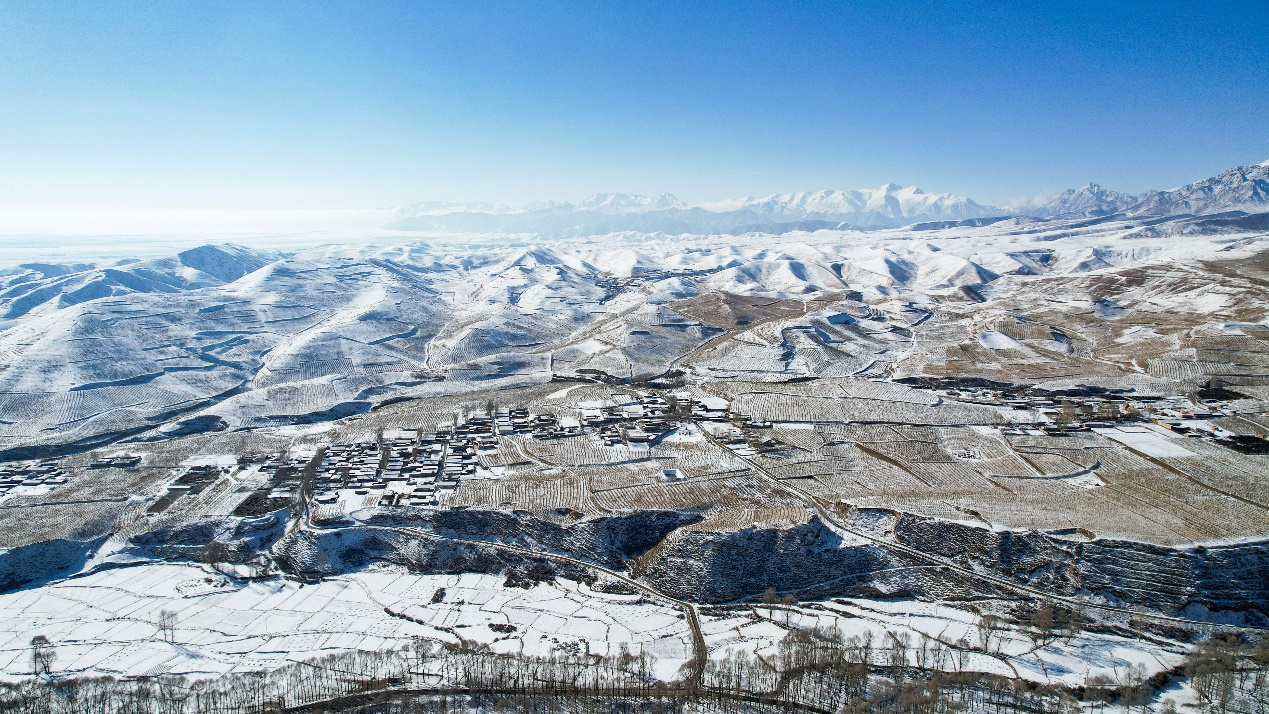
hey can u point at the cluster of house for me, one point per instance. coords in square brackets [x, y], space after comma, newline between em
[31, 473]
[643, 417]
[1059, 414]
[484, 428]
[286, 474]
[407, 468]
[735, 440]
[121, 461]
[192, 481]
[639, 418]
[412, 468]
[613, 285]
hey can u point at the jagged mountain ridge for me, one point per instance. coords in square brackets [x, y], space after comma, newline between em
[1242, 188]
[881, 206]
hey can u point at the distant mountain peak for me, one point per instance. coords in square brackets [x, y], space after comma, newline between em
[629, 203]
[1089, 200]
[441, 207]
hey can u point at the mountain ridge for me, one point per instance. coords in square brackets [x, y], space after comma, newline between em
[889, 206]
[1241, 188]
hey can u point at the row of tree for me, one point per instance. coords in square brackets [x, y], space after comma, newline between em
[811, 671]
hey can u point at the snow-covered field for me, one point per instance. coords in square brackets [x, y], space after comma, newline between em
[1067, 660]
[108, 622]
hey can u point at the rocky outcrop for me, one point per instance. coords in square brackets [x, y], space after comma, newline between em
[455, 541]
[233, 539]
[809, 559]
[1228, 583]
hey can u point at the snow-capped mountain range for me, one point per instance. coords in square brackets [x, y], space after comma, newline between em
[885, 206]
[1243, 188]
[889, 206]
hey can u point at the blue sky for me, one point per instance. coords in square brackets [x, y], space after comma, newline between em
[289, 105]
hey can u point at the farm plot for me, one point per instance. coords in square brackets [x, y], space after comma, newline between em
[691, 494]
[532, 492]
[1129, 498]
[583, 451]
[737, 359]
[800, 437]
[728, 310]
[809, 468]
[1077, 451]
[727, 516]
[828, 388]
[1223, 468]
[778, 407]
[627, 475]
[1166, 496]
[812, 358]
[107, 622]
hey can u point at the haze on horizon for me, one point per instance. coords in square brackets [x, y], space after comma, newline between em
[218, 111]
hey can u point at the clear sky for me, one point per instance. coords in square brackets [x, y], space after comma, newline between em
[201, 104]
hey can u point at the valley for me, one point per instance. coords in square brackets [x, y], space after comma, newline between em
[643, 451]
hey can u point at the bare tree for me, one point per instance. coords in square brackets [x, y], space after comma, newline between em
[42, 655]
[924, 653]
[1099, 688]
[1043, 624]
[1133, 689]
[172, 693]
[962, 654]
[989, 630]
[897, 646]
[788, 601]
[167, 625]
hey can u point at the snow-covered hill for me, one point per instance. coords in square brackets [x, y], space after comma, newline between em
[235, 337]
[36, 287]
